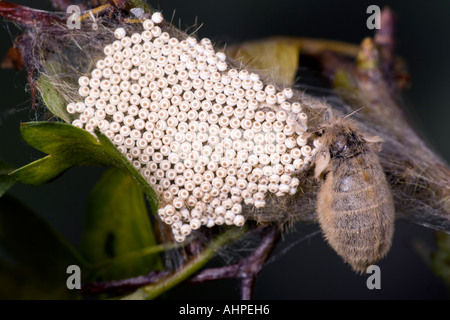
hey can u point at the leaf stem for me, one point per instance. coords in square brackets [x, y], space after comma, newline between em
[152, 291]
[314, 47]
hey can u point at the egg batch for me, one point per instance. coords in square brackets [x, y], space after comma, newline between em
[207, 137]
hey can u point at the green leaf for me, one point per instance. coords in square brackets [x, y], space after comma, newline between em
[40, 256]
[278, 58]
[53, 99]
[141, 4]
[116, 224]
[6, 181]
[68, 146]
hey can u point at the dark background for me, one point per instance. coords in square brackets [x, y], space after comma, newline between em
[308, 269]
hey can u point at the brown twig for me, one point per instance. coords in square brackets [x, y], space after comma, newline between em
[121, 286]
[27, 16]
[251, 267]
[385, 40]
[246, 270]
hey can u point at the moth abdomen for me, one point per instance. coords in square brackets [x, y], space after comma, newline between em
[355, 206]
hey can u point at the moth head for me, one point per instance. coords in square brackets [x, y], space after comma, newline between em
[342, 138]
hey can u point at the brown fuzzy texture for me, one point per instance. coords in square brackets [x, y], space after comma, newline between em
[354, 206]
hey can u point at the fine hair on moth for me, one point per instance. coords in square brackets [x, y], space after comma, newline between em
[355, 205]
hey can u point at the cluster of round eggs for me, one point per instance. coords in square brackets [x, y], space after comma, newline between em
[207, 137]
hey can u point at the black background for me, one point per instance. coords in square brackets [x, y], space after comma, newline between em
[309, 269]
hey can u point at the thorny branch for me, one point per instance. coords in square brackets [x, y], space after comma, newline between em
[27, 16]
[246, 270]
[385, 40]
[121, 286]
